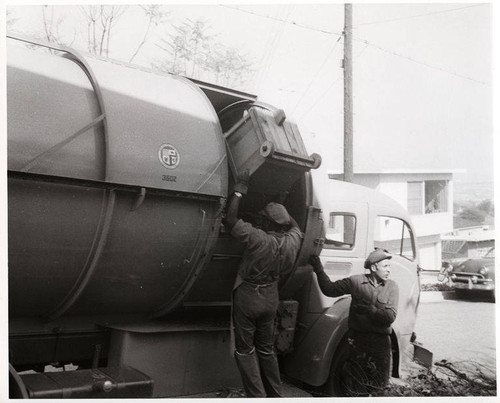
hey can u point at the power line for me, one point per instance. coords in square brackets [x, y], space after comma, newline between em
[369, 43]
[274, 43]
[419, 62]
[317, 72]
[290, 22]
[331, 86]
[417, 16]
[266, 55]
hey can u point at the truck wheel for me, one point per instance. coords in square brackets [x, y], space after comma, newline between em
[340, 372]
[17, 390]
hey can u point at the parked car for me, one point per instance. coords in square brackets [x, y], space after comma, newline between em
[471, 275]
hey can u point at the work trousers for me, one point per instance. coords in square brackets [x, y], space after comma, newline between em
[254, 313]
[369, 362]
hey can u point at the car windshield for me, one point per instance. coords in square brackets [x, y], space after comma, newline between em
[490, 253]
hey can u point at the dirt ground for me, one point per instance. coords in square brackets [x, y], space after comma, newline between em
[288, 391]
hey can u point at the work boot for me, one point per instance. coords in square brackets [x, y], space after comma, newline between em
[248, 366]
[270, 374]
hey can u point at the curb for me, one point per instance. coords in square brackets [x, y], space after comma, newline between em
[436, 296]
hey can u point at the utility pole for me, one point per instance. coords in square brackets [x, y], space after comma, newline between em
[348, 112]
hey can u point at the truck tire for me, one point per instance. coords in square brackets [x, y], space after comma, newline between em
[338, 379]
[17, 390]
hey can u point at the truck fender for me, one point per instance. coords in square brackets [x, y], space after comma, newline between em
[396, 348]
[311, 359]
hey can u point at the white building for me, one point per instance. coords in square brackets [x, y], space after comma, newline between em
[428, 197]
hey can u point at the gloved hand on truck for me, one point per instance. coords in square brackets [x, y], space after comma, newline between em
[315, 262]
[241, 185]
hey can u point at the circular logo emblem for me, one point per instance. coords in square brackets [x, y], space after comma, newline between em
[169, 156]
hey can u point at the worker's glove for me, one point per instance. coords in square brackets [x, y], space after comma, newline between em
[364, 308]
[241, 185]
[315, 262]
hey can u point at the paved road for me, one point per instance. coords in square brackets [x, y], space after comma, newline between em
[458, 330]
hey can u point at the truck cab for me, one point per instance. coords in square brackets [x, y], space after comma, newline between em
[357, 220]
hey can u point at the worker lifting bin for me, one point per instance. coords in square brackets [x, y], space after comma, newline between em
[270, 148]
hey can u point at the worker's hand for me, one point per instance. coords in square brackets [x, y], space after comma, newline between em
[242, 183]
[315, 262]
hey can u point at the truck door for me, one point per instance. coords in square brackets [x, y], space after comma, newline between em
[344, 249]
[396, 235]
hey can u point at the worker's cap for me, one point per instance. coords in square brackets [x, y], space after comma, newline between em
[377, 256]
[276, 212]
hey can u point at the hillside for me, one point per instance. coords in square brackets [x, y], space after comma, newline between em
[464, 192]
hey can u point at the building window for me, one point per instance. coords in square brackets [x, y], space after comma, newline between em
[395, 236]
[415, 201]
[341, 231]
[435, 193]
[436, 197]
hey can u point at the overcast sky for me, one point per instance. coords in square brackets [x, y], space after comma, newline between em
[422, 75]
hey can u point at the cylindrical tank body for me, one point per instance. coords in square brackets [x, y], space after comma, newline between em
[114, 195]
[117, 182]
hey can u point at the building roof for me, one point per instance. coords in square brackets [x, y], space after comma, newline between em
[383, 171]
[473, 235]
[368, 162]
[344, 192]
[452, 246]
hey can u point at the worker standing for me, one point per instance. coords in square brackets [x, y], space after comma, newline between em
[268, 250]
[372, 311]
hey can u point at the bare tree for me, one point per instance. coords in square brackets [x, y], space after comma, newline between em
[193, 51]
[155, 16]
[199, 43]
[10, 20]
[100, 22]
[50, 24]
[229, 65]
[188, 48]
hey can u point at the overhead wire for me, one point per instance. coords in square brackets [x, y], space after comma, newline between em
[295, 24]
[416, 16]
[317, 73]
[274, 43]
[367, 43]
[266, 53]
[331, 86]
[419, 62]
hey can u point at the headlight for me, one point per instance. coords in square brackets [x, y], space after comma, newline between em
[483, 270]
[446, 267]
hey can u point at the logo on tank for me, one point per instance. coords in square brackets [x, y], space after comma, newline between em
[169, 156]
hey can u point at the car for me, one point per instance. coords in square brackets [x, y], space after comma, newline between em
[471, 275]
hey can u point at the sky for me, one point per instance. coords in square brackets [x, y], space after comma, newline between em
[422, 75]
[422, 80]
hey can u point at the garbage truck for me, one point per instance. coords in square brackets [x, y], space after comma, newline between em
[120, 269]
